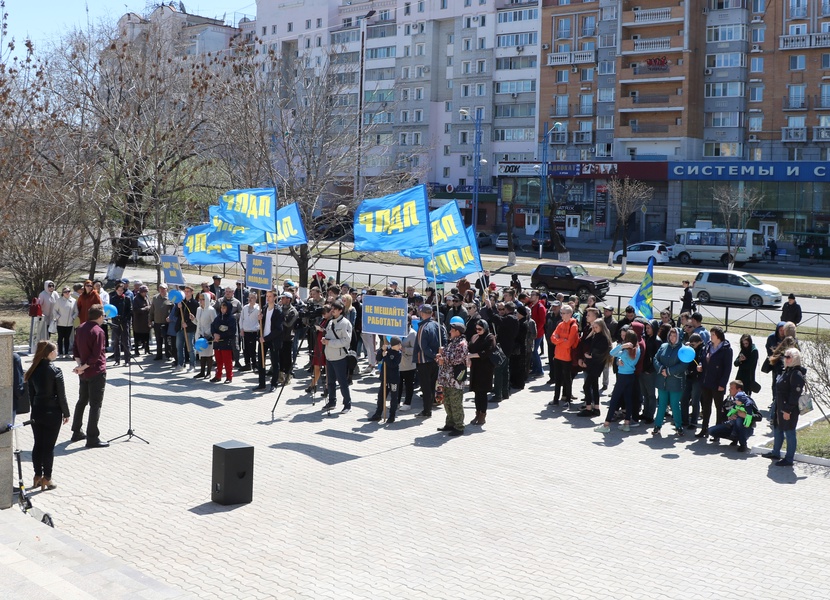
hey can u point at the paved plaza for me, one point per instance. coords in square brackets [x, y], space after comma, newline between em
[534, 504]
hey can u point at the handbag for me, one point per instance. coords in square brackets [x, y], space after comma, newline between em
[766, 367]
[459, 372]
[756, 387]
[805, 404]
[497, 356]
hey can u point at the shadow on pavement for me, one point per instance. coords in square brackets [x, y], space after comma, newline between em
[785, 475]
[210, 508]
[346, 435]
[323, 455]
[180, 398]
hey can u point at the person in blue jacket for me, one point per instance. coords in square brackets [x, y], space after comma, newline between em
[626, 356]
[670, 375]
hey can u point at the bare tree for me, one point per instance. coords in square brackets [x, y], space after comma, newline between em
[626, 196]
[814, 353]
[735, 207]
[554, 202]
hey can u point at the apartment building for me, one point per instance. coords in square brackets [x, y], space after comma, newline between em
[194, 35]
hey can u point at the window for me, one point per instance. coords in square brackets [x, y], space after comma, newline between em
[514, 16]
[482, 43]
[290, 27]
[481, 66]
[416, 139]
[725, 33]
[419, 49]
[562, 76]
[418, 116]
[798, 62]
[726, 59]
[516, 62]
[407, 8]
[404, 72]
[420, 6]
[404, 116]
[449, 61]
[755, 153]
[273, 29]
[758, 35]
[403, 139]
[465, 67]
[419, 93]
[463, 138]
[319, 41]
[605, 95]
[384, 15]
[795, 154]
[824, 97]
[756, 94]
[609, 13]
[481, 89]
[448, 106]
[725, 119]
[589, 26]
[726, 89]
[308, 42]
[264, 31]
[515, 110]
[607, 67]
[756, 64]
[561, 105]
[605, 122]
[407, 50]
[382, 52]
[308, 23]
[467, 44]
[319, 22]
[756, 123]
[443, 4]
[465, 90]
[563, 28]
[724, 149]
[447, 127]
[586, 74]
[759, 6]
[798, 9]
[405, 94]
[514, 87]
[521, 134]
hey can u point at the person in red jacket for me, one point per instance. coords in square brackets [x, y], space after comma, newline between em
[538, 312]
[565, 338]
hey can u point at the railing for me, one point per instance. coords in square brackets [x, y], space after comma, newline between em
[650, 128]
[588, 32]
[558, 137]
[559, 111]
[583, 137]
[821, 134]
[650, 99]
[795, 102]
[556, 59]
[583, 110]
[821, 102]
[652, 44]
[798, 12]
[793, 134]
[652, 15]
[806, 40]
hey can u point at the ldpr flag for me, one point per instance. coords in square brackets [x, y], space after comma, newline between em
[393, 223]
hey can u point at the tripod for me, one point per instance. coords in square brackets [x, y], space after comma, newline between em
[282, 387]
[130, 433]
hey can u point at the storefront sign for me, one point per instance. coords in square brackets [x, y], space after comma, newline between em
[749, 171]
[600, 205]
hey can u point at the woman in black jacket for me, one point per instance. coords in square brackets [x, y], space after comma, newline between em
[480, 349]
[747, 362]
[224, 332]
[789, 386]
[598, 351]
[49, 410]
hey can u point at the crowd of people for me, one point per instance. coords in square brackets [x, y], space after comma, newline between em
[477, 338]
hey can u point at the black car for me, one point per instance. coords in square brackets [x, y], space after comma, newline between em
[569, 278]
[547, 244]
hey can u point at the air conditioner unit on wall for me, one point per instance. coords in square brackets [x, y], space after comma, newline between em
[545, 46]
[756, 48]
[753, 138]
[707, 71]
[520, 48]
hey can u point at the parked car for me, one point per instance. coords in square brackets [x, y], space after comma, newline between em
[501, 242]
[547, 244]
[734, 287]
[642, 252]
[483, 239]
[568, 278]
[147, 245]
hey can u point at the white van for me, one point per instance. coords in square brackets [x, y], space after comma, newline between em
[734, 287]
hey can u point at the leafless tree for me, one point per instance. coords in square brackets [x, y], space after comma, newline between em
[626, 196]
[814, 353]
[735, 207]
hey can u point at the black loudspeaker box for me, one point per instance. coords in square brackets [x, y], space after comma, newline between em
[233, 473]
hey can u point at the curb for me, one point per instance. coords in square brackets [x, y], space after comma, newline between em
[804, 458]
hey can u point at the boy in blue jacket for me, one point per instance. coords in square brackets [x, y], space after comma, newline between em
[389, 358]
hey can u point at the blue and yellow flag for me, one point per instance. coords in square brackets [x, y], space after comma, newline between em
[197, 251]
[452, 263]
[250, 208]
[393, 223]
[643, 300]
[247, 217]
[447, 228]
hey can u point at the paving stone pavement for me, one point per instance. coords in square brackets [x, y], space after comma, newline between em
[534, 504]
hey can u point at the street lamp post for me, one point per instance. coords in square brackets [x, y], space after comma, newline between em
[478, 161]
[543, 192]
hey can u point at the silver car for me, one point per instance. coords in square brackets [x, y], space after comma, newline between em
[734, 287]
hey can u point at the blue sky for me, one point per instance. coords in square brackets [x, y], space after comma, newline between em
[45, 20]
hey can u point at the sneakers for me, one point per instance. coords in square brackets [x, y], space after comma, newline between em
[346, 410]
[771, 456]
[602, 429]
[635, 423]
[784, 463]
[405, 407]
[595, 412]
[585, 412]
[329, 406]
[625, 427]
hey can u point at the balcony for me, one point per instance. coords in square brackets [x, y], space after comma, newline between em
[825, 9]
[807, 40]
[660, 44]
[556, 59]
[821, 102]
[557, 112]
[652, 16]
[795, 102]
[657, 70]
[558, 136]
[794, 134]
[583, 110]
[821, 134]
[798, 12]
[583, 137]
[651, 103]
[588, 32]
[651, 130]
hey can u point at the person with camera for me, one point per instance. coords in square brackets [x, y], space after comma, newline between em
[290, 316]
[336, 341]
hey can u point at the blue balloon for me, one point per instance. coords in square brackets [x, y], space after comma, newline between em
[686, 354]
[175, 296]
[457, 321]
[110, 311]
[200, 345]
[415, 323]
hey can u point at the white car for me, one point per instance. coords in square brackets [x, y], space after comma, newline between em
[640, 253]
[734, 287]
[501, 242]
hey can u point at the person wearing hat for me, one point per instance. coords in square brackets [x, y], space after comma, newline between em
[137, 283]
[223, 330]
[159, 313]
[389, 356]
[216, 287]
[241, 292]
[65, 312]
[289, 316]
[393, 285]
[791, 311]
[141, 320]
[452, 371]
[427, 344]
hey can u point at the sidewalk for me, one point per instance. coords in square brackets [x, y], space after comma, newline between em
[534, 504]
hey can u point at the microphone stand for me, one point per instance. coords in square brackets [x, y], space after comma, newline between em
[130, 432]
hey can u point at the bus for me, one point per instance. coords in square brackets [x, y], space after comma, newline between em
[693, 245]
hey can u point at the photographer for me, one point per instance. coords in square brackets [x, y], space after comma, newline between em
[336, 342]
[290, 317]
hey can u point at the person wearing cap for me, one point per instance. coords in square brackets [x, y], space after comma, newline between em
[241, 292]
[186, 310]
[159, 312]
[121, 323]
[127, 291]
[791, 311]
[137, 283]
[289, 316]
[452, 371]
[65, 312]
[389, 356]
[336, 341]
[427, 344]
[216, 287]
[223, 330]
[394, 286]
[141, 320]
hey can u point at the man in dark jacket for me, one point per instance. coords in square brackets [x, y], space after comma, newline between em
[791, 311]
[186, 313]
[427, 344]
[552, 319]
[289, 316]
[271, 339]
[715, 370]
[90, 353]
[503, 318]
[687, 301]
[121, 324]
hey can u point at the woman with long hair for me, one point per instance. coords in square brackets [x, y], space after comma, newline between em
[318, 357]
[626, 354]
[205, 316]
[480, 349]
[746, 362]
[47, 396]
[89, 297]
[598, 343]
